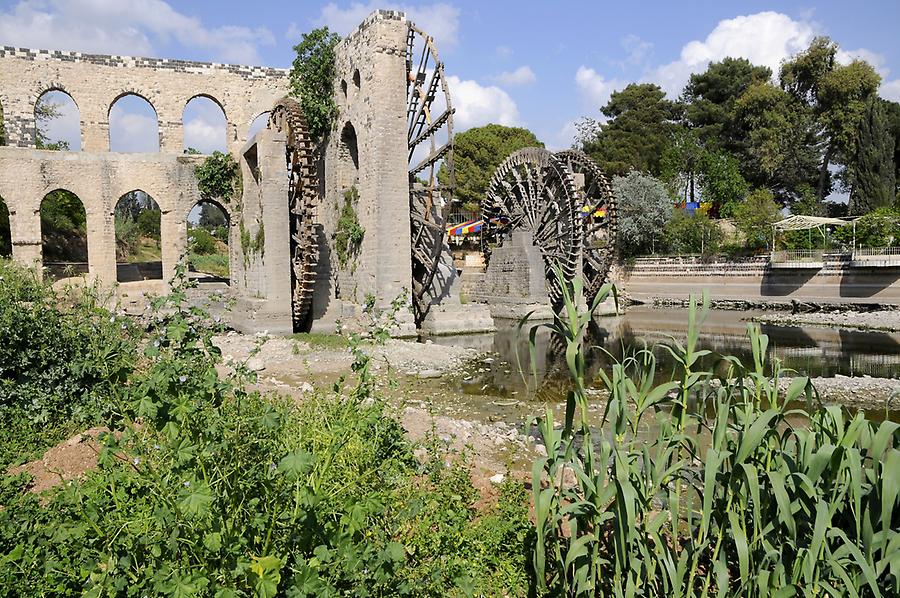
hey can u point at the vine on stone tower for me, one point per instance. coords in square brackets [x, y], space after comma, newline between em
[312, 79]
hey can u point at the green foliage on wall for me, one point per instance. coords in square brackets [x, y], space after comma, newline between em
[312, 80]
[349, 234]
[252, 245]
[218, 177]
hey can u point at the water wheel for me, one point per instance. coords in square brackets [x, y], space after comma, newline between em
[430, 139]
[287, 118]
[598, 213]
[534, 190]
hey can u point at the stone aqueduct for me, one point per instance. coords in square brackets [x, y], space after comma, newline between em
[368, 149]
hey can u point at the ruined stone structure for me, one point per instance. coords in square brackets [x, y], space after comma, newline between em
[367, 151]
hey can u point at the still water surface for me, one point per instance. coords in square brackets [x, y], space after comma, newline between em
[812, 351]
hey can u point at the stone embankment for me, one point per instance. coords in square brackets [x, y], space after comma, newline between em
[862, 392]
[879, 320]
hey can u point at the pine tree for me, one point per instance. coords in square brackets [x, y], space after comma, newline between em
[872, 171]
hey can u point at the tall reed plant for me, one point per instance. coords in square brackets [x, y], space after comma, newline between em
[713, 483]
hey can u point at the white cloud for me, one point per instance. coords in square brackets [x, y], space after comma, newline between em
[129, 28]
[764, 38]
[204, 126]
[890, 90]
[439, 20]
[133, 126]
[595, 87]
[521, 76]
[66, 126]
[478, 105]
[638, 50]
[504, 51]
[564, 138]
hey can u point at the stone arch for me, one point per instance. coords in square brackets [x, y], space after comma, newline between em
[208, 225]
[357, 81]
[258, 123]
[126, 119]
[5, 231]
[348, 158]
[57, 119]
[64, 242]
[344, 89]
[201, 126]
[137, 220]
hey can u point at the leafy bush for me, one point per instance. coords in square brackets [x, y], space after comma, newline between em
[879, 228]
[644, 208]
[312, 79]
[754, 218]
[692, 233]
[148, 223]
[61, 357]
[218, 177]
[127, 236]
[213, 490]
[348, 235]
[201, 241]
[755, 499]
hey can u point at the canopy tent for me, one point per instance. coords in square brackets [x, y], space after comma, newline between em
[807, 222]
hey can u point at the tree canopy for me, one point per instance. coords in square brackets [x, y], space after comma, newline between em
[312, 77]
[644, 209]
[478, 152]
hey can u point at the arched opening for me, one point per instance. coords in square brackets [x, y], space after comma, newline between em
[204, 125]
[5, 231]
[344, 88]
[356, 80]
[57, 122]
[133, 125]
[138, 241]
[348, 158]
[207, 232]
[64, 246]
[258, 124]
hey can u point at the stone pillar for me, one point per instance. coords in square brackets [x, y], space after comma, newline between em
[25, 229]
[173, 239]
[101, 238]
[94, 127]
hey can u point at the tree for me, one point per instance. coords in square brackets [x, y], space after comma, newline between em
[644, 208]
[723, 185]
[710, 98]
[680, 165]
[477, 153]
[211, 217]
[755, 217]
[892, 116]
[782, 148]
[836, 95]
[640, 128]
[692, 233]
[873, 177]
[312, 80]
[44, 112]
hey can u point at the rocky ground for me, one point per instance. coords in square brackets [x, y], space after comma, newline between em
[882, 320]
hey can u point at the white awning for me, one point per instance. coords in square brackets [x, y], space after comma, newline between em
[808, 222]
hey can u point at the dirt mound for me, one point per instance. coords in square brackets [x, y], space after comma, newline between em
[65, 461]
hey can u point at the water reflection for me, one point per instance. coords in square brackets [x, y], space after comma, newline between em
[816, 352]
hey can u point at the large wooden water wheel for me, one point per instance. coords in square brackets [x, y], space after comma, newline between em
[430, 138]
[287, 118]
[534, 190]
[598, 214]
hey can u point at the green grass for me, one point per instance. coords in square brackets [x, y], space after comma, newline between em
[215, 264]
[319, 340]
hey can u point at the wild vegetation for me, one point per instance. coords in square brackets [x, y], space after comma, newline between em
[205, 487]
[312, 78]
[348, 234]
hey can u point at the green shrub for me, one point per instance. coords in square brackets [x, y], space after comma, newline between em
[879, 228]
[214, 490]
[218, 177]
[756, 499]
[692, 233]
[349, 234]
[61, 358]
[200, 241]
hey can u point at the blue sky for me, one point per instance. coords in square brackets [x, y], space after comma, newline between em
[542, 65]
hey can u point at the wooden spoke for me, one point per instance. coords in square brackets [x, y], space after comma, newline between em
[287, 117]
[430, 135]
[534, 191]
[599, 221]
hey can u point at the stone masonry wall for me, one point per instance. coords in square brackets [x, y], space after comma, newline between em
[96, 81]
[370, 90]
